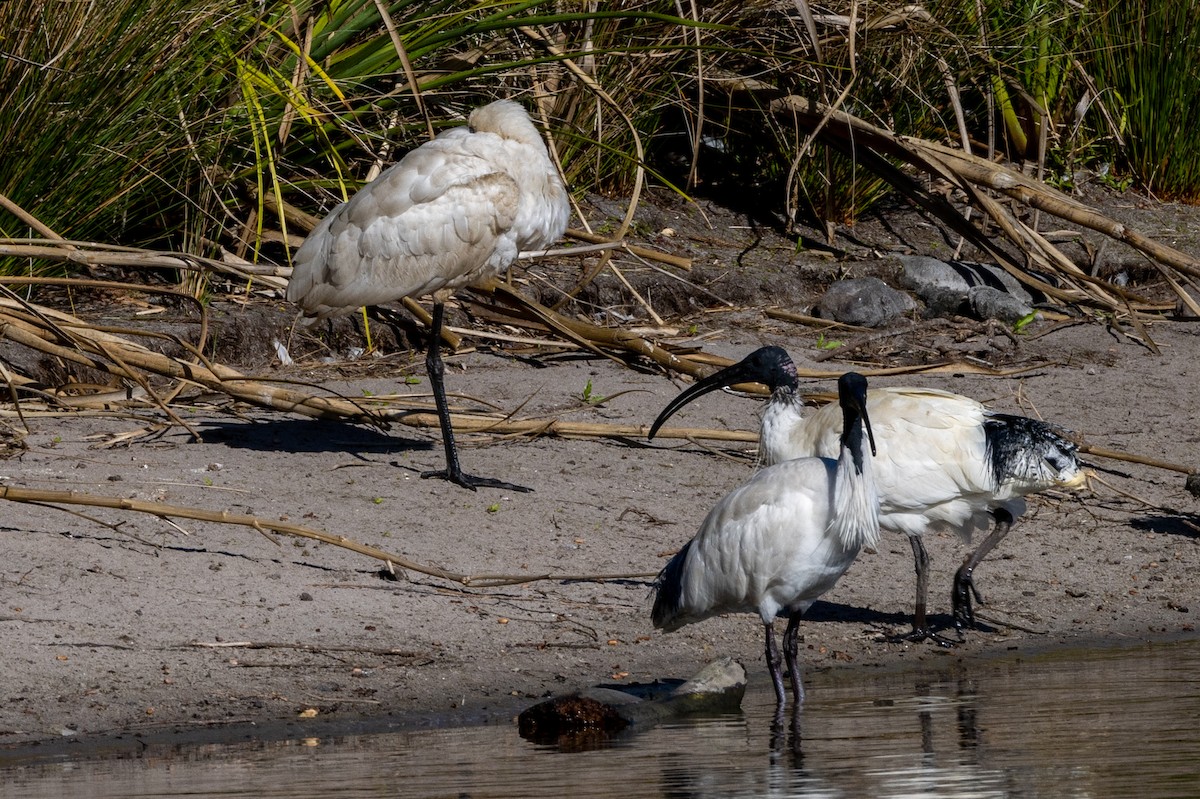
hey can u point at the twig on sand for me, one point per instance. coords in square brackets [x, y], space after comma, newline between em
[357, 650]
[1008, 624]
[260, 524]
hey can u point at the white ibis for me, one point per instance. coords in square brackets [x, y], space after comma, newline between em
[454, 212]
[780, 541]
[944, 461]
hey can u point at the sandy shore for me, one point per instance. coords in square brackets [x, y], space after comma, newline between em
[117, 622]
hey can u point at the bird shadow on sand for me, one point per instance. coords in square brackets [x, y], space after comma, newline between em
[1186, 525]
[885, 624]
[310, 435]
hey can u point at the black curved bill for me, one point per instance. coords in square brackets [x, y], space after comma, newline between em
[741, 372]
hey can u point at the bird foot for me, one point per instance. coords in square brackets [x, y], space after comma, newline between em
[918, 634]
[472, 482]
[964, 590]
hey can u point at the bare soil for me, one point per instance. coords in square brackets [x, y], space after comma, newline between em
[121, 627]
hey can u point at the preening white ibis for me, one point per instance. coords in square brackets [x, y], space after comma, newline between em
[454, 212]
[944, 461]
[780, 541]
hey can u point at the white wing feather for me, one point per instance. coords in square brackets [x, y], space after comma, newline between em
[930, 465]
[451, 213]
[763, 548]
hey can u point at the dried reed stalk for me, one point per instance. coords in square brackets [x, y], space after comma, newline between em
[108, 353]
[63, 336]
[90, 253]
[877, 147]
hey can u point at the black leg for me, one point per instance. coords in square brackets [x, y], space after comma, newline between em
[786, 738]
[964, 581]
[921, 630]
[436, 371]
[790, 647]
[774, 664]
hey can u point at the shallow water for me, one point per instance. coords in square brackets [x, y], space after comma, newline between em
[1113, 723]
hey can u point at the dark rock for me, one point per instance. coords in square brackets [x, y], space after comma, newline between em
[986, 302]
[922, 273]
[566, 716]
[984, 291]
[940, 301]
[865, 302]
[586, 719]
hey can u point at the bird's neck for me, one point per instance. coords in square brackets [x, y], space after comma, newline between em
[855, 498]
[781, 416]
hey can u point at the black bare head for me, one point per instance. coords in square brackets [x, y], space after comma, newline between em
[852, 396]
[771, 366]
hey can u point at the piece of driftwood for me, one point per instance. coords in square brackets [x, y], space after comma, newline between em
[590, 716]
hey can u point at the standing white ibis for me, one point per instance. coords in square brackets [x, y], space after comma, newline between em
[780, 541]
[454, 212]
[945, 461]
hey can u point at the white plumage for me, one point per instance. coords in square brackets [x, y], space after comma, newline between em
[454, 212]
[944, 460]
[780, 541]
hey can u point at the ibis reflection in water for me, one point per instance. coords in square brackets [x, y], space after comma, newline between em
[454, 212]
[780, 541]
[945, 461]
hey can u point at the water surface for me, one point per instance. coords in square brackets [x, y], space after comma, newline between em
[1096, 724]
